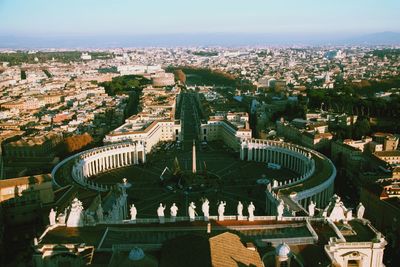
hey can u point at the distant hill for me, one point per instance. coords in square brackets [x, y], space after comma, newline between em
[379, 38]
[196, 39]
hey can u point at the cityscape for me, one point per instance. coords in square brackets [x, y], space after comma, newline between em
[220, 134]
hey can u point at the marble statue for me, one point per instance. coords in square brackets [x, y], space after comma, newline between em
[240, 211]
[192, 211]
[75, 218]
[100, 213]
[251, 208]
[115, 212]
[205, 208]
[89, 217]
[160, 210]
[349, 215]
[133, 212]
[221, 210]
[160, 213]
[360, 211]
[61, 218]
[52, 217]
[311, 209]
[173, 212]
[280, 209]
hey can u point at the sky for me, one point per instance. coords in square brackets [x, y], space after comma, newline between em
[123, 17]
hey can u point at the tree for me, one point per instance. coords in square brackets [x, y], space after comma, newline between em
[361, 128]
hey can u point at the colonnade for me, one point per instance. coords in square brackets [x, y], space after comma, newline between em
[298, 159]
[98, 160]
[290, 156]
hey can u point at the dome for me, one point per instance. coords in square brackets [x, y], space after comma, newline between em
[136, 254]
[282, 250]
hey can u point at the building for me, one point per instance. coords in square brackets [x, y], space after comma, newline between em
[162, 79]
[220, 129]
[22, 198]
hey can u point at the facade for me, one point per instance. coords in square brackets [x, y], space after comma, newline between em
[219, 129]
[307, 133]
[22, 198]
[32, 147]
[149, 134]
[163, 79]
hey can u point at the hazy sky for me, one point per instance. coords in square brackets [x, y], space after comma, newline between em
[106, 17]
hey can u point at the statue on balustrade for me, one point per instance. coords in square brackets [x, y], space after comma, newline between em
[52, 217]
[280, 209]
[240, 211]
[133, 212]
[192, 211]
[251, 208]
[100, 213]
[311, 209]
[205, 207]
[360, 211]
[75, 218]
[221, 210]
[160, 213]
[173, 212]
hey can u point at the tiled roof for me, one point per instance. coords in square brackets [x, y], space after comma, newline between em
[227, 250]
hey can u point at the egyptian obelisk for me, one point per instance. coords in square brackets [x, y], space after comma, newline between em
[194, 157]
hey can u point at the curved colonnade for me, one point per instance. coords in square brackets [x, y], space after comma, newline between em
[315, 180]
[98, 160]
[316, 173]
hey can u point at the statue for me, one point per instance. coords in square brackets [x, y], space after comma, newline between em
[280, 209]
[205, 207]
[75, 218]
[221, 210]
[89, 217]
[160, 213]
[349, 215]
[133, 212]
[61, 218]
[115, 213]
[360, 211]
[311, 209]
[100, 213]
[192, 211]
[240, 211]
[173, 212]
[52, 217]
[251, 208]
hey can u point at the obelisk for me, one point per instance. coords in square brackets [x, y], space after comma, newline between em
[194, 157]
